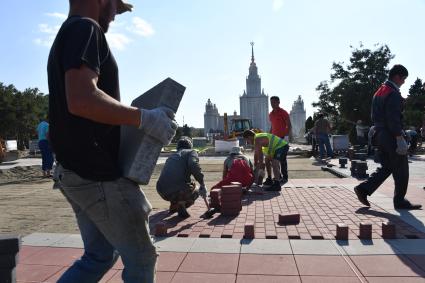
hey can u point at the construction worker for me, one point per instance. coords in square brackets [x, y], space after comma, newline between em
[174, 183]
[269, 146]
[280, 127]
[387, 106]
[236, 168]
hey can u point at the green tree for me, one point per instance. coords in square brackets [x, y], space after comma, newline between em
[414, 106]
[21, 112]
[348, 96]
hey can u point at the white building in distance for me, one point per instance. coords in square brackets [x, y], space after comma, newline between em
[298, 117]
[254, 105]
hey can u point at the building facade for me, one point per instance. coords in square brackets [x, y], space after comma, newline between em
[254, 105]
[298, 117]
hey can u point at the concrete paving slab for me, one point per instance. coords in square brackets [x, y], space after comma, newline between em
[316, 247]
[216, 245]
[71, 241]
[410, 246]
[370, 247]
[43, 239]
[265, 246]
[173, 244]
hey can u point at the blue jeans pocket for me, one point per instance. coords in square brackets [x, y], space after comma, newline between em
[87, 195]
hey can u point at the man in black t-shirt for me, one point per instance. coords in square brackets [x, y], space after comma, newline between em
[85, 118]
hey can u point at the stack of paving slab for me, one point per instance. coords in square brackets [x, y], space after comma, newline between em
[9, 248]
[227, 198]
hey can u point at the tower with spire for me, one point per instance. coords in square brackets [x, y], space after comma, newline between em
[298, 117]
[211, 118]
[254, 102]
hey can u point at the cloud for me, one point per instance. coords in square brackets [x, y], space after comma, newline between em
[57, 15]
[48, 34]
[117, 40]
[120, 34]
[277, 5]
[141, 27]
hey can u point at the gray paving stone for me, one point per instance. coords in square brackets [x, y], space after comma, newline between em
[139, 152]
[43, 239]
[216, 245]
[265, 246]
[316, 247]
[173, 244]
[370, 247]
[71, 241]
[410, 246]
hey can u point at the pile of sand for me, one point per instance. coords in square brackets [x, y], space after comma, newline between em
[20, 174]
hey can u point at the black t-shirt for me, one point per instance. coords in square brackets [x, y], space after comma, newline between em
[86, 147]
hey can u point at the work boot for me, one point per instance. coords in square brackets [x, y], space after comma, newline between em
[275, 187]
[268, 182]
[283, 181]
[182, 212]
[362, 196]
[407, 205]
[173, 208]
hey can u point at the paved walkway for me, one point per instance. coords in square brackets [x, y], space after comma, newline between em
[195, 259]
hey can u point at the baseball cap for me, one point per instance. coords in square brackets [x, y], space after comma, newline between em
[123, 7]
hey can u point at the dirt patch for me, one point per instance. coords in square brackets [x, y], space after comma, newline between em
[21, 174]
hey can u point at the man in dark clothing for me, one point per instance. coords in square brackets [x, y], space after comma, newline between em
[175, 184]
[85, 117]
[387, 106]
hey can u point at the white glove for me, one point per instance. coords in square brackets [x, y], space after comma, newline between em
[401, 146]
[158, 123]
[203, 191]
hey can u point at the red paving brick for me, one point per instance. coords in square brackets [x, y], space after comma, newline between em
[324, 266]
[267, 279]
[387, 265]
[267, 264]
[320, 208]
[210, 263]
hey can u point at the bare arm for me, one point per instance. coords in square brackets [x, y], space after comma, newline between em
[86, 100]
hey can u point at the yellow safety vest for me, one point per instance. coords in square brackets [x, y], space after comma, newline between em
[274, 143]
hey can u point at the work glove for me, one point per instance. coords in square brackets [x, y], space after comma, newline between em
[203, 191]
[159, 124]
[401, 146]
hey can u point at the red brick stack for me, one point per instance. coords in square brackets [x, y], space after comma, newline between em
[231, 199]
[388, 230]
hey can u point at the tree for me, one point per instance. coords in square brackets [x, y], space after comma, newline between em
[187, 131]
[21, 112]
[348, 97]
[415, 103]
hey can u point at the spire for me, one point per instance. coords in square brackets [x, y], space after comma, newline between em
[252, 52]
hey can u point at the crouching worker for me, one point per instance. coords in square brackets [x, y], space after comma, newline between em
[175, 184]
[237, 168]
[273, 147]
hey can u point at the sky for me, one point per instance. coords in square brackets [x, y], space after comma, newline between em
[205, 45]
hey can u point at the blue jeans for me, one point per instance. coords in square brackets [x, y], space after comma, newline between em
[46, 155]
[113, 220]
[323, 141]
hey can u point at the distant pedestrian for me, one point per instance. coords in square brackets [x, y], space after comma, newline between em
[386, 112]
[361, 133]
[280, 127]
[44, 146]
[322, 129]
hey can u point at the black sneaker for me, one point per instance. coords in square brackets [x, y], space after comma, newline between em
[407, 205]
[275, 187]
[283, 181]
[268, 182]
[362, 196]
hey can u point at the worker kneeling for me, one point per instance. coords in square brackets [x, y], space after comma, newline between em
[236, 168]
[270, 146]
[175, 184]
